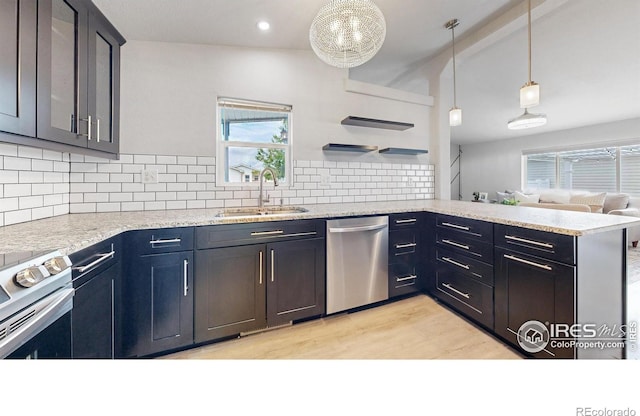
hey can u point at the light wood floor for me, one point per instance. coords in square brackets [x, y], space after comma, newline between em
[412, 328]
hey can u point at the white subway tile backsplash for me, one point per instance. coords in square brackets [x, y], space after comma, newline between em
[166, 160]
[187, 160]
[144, 159]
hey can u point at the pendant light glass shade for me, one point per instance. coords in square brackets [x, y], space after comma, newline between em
[347, 33]
[455, 117]
[529, 95]
[527, 121]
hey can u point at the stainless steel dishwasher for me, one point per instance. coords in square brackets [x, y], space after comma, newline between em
[357, 262]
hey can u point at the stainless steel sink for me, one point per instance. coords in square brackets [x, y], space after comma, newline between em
[258, 212]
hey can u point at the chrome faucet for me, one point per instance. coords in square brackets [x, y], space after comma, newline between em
[262, 200]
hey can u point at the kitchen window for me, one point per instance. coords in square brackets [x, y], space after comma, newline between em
[253, 135]
[601, 169]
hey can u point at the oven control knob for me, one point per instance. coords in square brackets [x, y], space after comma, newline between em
[31, 276]
[57, 264]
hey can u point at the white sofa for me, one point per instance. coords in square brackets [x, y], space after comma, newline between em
[606, 203]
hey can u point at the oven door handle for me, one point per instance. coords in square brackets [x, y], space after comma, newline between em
[57, 307]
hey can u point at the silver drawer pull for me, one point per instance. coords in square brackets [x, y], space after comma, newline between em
[406, 245]
[450, 260]
[169, 241]
[410, 277]
[531, 263]
[459, 227]
[453, 243]
[524, 240]
[407, 221]
[453, 289]
[185, 276]
[95, 263]
[274, 232]
[261, 264]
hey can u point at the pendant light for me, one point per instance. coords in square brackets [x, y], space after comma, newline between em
[455, 114]
[529, 95]
[347, 33]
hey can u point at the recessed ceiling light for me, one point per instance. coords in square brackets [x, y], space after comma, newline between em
[263, 25]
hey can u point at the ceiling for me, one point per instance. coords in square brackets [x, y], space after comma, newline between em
[586, 53]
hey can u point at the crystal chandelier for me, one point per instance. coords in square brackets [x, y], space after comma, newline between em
[347, 33]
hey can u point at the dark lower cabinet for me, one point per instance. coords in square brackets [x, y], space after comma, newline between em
[160, 303]
[532, 288]
[246, 288]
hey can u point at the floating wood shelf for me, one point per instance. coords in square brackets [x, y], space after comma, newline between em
[349, 147]
[403, 151]
[374, 123]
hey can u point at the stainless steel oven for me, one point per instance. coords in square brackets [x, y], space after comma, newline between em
[36, 298]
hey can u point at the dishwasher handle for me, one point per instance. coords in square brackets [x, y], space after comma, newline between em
[357, 229]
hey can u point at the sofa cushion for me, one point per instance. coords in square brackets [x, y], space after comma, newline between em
[555, 196]
[504, 196]
[595, 201]
[520, 197]
[615, 201]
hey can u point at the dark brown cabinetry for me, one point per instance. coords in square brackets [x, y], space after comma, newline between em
[60, 76]
[18, 20]
[464, 274]
[535, 280]
[158, 291]
[252, 276]
[405, 253]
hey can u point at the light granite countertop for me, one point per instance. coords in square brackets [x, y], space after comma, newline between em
[72, 232]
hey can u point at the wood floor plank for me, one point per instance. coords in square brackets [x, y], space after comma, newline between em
[412, 328]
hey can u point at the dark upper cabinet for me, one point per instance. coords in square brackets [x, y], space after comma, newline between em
[18, 66]
[78, 77]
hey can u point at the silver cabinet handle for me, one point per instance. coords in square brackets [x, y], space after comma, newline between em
[530, 263]
[448, 286]
[402, 279]
[407, 221]
[453, 243]
[95, 263]
[524, 240]
[459, 227]
[89, 123]
[406, 245]
[450, 260]
[273, 265]
[98, 130]
[169, 241]
[185, 273]
[261, 266]
[274, 232]
[357, 229]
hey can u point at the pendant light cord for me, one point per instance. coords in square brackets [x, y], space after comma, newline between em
[452, 24]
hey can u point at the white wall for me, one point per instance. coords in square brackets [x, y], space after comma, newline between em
[169, 92]
[496, 166]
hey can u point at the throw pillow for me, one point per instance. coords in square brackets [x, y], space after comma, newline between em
[504, 196]
[520, 197]
[615, 201]
[555, 197]
[595, 201]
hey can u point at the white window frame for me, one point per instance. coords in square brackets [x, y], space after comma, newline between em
[221, 144]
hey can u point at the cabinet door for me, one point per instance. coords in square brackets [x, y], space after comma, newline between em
[62, 72]
[18, 67]
[532, 288]
[93, 316]
[296, 283]
[162, 291]
[230, 291]
[104, 85]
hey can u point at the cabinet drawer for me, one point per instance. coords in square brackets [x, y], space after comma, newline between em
[227, 235]
[465, 244]
[468, 266]
[161, 240]
[551, 246]
[465, 226]
[468, 296]
[94, 259]
[403, 242]
[403, 278]
[405, 220]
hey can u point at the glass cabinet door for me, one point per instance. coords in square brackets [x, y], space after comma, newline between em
[17, 67]
[62, 74]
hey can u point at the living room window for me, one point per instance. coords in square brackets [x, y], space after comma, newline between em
[602, 169]
[253, 135]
